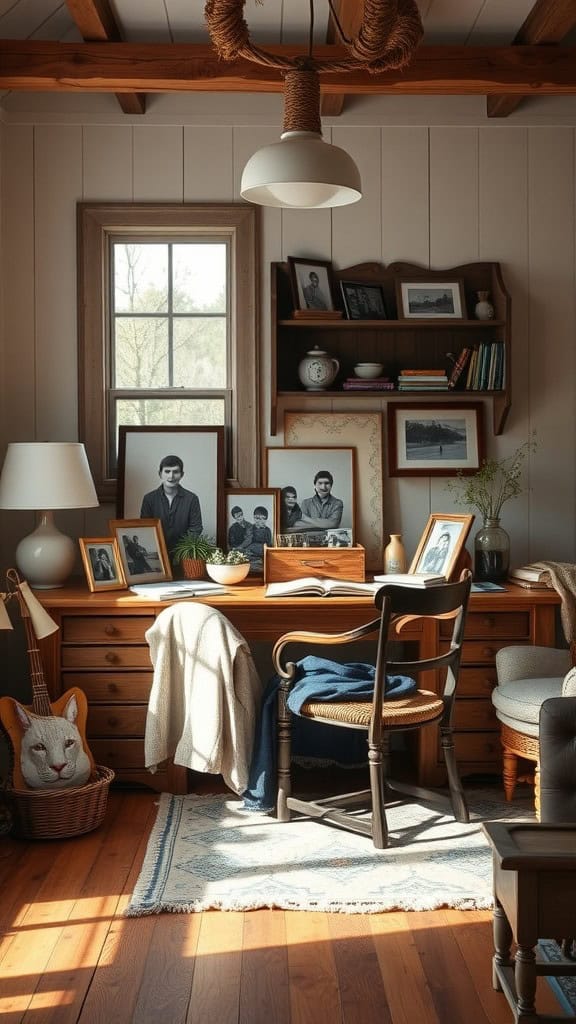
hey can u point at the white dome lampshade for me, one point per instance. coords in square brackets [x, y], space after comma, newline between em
[301, 171]
[46, 476]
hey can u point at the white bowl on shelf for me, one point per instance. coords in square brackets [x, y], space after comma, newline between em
[368, 370]
[228, 574]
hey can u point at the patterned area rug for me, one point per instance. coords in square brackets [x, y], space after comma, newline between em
[208, 852]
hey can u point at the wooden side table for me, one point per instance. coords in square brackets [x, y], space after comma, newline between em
[534, 898]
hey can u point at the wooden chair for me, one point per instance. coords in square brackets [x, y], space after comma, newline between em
[379, 717]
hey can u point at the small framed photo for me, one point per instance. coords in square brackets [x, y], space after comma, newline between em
[441, 544]
[363, 301]
[102, 563]
[316, 491]
[424, 299]
[142, 549]
[175, 474]
[251, 522]
[312, 284]
[435, 440]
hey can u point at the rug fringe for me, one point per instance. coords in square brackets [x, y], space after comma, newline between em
[326, 907]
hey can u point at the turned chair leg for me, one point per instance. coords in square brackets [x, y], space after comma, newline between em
[376, 762]
[284, 758]
[457, 798]
[509, 772]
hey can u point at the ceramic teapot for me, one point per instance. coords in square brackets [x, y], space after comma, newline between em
[317, 370]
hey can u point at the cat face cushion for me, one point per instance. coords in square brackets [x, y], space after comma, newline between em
[52, 754]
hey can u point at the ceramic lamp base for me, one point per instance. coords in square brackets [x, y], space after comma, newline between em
[45, 558]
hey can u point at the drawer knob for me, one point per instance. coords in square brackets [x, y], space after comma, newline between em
[489, 621]
[488, 652]
[113, 687]
[113, 721]
[110, 630]
[111, 657]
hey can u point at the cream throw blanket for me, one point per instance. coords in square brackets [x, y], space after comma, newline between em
[206, 694]
[562, 578]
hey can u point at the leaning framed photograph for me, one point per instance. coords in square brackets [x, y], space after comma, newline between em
[316, 490]
[251, 522]
[312, 284]
[363, 301]
[175, 474]
[143, 552]
[441, 544]
[421, 299]
[435, 440]
[102, 563]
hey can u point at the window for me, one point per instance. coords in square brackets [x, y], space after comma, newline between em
[167, 327]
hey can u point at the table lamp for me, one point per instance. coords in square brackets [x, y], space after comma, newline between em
[46, 476]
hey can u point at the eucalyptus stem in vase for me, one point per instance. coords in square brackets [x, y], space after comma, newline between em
[486, 492]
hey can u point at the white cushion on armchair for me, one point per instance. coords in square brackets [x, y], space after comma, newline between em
[527, 676]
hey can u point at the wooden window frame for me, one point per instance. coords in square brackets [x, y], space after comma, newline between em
[239, 225]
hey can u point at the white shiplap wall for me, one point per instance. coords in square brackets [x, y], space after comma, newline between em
[436, 191]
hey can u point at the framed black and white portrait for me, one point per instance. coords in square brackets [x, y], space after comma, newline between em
[316, 490]
[441, 544]
[312, 284]
[176, 475]
[142, 550]
[251, 522]
[102, 563]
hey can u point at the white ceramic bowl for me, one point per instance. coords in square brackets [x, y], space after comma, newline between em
[228, 574]
[368, 370]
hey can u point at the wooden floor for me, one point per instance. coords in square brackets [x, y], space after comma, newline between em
[68, 955]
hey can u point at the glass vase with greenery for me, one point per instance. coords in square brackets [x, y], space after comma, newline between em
[486, 492]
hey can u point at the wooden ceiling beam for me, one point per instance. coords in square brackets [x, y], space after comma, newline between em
[95, 21]
[350, 14]
[548, 22]
[40, 65]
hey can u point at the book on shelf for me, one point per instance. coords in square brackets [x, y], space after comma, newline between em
[313, 586]
[533, 572]
[412, 579]
[177, 589]
[376, 384]
[422, 373]
[460, 366]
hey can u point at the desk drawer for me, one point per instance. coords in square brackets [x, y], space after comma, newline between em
[481, 748]
[481, 652]
[515, 625]
[474, 715]
[105, 629]
[475, 681]
[110, 688]
[116, 721]
[106, 657]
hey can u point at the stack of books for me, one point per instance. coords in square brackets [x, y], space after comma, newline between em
[486, 367]
[422, 380]
[368, 384]
[533, 576]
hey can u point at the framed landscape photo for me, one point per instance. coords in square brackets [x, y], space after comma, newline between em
[435, 440]
[252, 521]
[312, 284]
[102, 563]
[421, 299]
[363, 301]
[316, 490]
[441, 544]
[142, 549]
[183, 461]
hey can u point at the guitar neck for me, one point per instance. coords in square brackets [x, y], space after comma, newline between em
[40, 696]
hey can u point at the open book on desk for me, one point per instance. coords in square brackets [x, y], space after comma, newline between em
[174, 590]
[313, 586]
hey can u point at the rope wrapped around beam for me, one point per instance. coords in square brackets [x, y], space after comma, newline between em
[388, 37]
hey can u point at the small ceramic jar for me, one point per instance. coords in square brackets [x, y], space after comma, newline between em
[317, 370]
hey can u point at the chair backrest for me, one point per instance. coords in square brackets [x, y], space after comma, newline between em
[557, 739]
[402, 604]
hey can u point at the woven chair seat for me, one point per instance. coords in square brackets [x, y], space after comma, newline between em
[421, 706]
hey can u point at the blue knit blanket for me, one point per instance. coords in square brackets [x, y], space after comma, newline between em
[316, 679]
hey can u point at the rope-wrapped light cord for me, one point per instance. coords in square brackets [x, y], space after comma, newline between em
[388, 37]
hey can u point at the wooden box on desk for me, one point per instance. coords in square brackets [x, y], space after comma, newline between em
[282, 564]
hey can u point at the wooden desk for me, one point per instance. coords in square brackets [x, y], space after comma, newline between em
[101, 648]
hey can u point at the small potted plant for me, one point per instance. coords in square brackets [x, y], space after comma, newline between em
[227, 569]
[192, 552]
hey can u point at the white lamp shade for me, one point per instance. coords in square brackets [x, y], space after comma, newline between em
[301, 171]
[46, 475]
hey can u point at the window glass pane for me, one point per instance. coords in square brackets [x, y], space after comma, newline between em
[140, 277]
[141, 352]
[191, 412]
[199, 278]
[200, 352]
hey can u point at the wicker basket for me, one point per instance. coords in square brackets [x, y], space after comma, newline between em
[62, 813]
